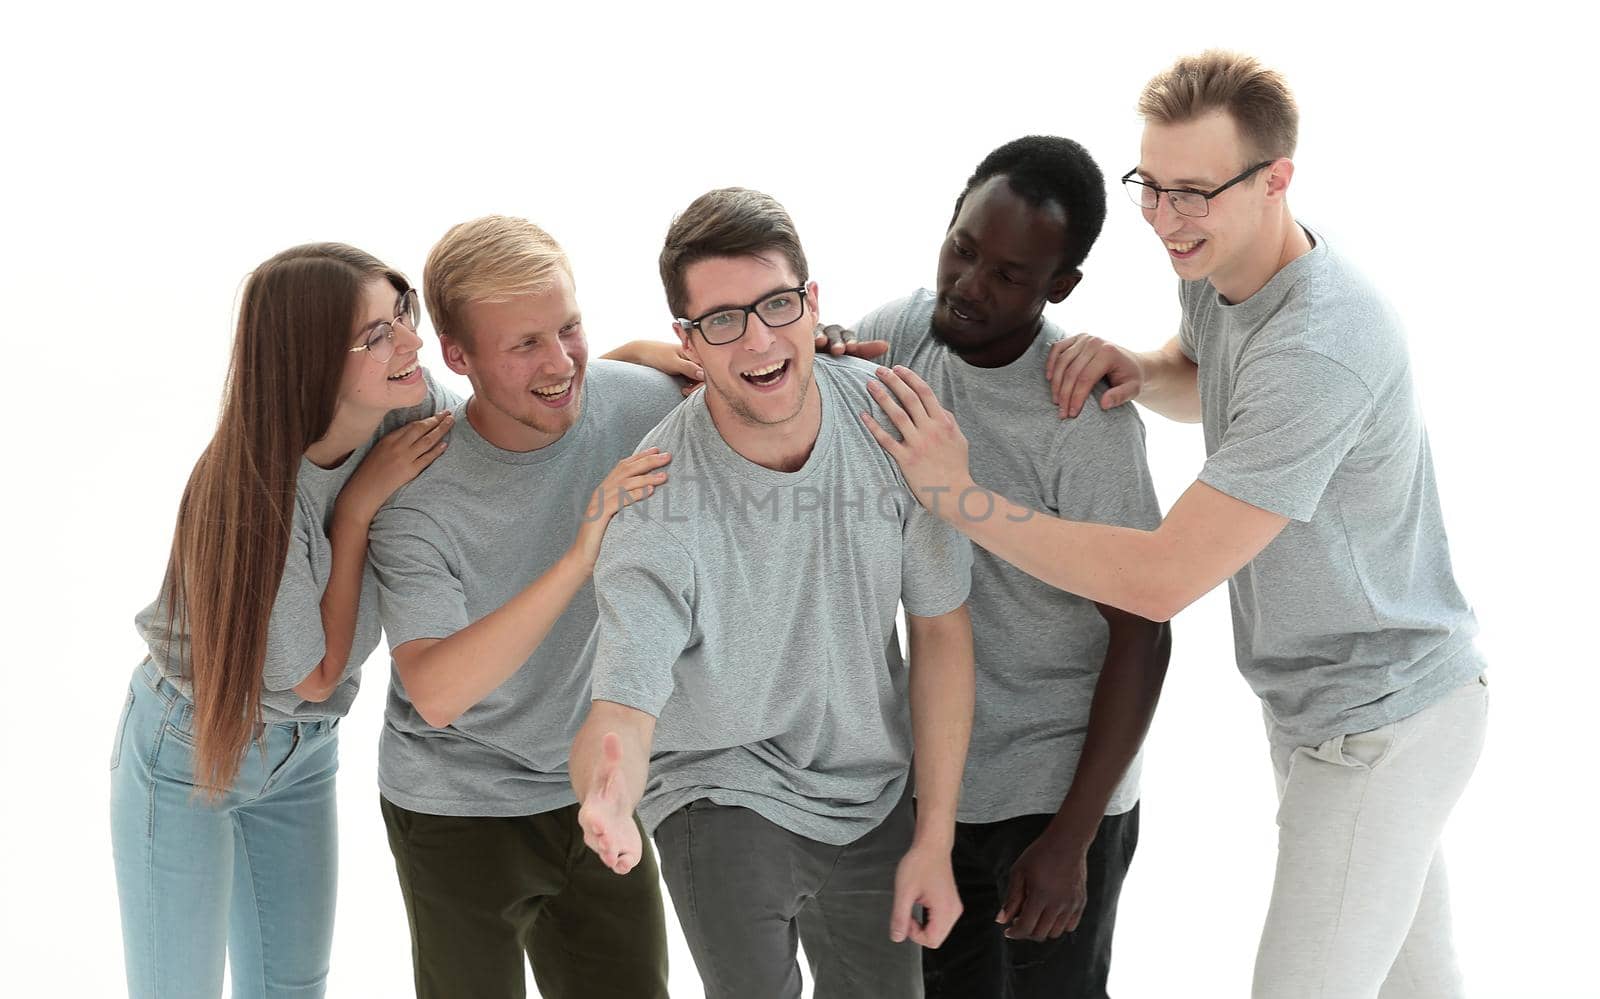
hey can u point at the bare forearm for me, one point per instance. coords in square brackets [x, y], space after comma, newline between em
[1206, 538]
[942, 692]
[1171, 383]
[340, 602]
[633, 728]
[1120, 566]
[444, 678]
[633, 351]
[1119, 718]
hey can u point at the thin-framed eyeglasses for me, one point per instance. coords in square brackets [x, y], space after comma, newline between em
[379, 336]
[723, 326]
[1185, 200]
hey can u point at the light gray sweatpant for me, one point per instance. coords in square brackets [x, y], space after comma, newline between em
[1359, 905]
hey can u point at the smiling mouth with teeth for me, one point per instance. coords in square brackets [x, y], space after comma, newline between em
[961, 314]
[1182, 247]
[766, 375]
[554, 391]
[404, 374]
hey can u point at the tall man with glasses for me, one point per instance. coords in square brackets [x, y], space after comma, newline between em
[1317, 504]
[483, 567]
[747, 635]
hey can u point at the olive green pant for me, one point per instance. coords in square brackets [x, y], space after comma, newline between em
[481, 892]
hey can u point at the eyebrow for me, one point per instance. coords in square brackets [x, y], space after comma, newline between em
[1015, 265]
[744, 305]
[398, 299]
[575, 317]
[1202, 185]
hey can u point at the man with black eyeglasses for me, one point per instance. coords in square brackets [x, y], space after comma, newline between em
[747, 640]
[1317, 504]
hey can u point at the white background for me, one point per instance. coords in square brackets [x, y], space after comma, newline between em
[152, 155]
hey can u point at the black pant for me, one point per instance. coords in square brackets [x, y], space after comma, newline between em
[481, 892]
[978, 962]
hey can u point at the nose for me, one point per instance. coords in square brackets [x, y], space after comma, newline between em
[555, 357]
[969, 287]
[758, 336]
[406, 338]
[1164, 218]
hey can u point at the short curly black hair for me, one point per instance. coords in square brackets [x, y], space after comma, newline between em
[1041, 168]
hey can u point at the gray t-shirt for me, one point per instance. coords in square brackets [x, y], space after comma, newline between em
[468, 534]
[1039, 649]
[294, 632]
[753, 612]
[1350, 618]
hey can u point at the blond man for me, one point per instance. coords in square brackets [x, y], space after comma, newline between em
[484, 579]
[1316, 504]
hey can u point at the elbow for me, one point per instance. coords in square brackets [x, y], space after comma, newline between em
[316, 693]
[1159, 605]
[319, 685]
[437, 715]
[430, 704]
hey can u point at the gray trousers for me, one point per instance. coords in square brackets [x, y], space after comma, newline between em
[747, 890]
[1359, 907]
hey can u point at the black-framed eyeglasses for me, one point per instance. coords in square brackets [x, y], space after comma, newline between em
[722, 326]
[1185, 201]
[379, 340]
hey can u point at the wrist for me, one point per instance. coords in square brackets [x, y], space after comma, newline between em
[352, 515]
[576, 562]
[1072, 831]
[930, 834]
[958, 499]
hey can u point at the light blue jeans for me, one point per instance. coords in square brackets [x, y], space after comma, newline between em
[252, 875]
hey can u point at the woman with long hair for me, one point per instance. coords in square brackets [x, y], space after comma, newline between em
[222, 784]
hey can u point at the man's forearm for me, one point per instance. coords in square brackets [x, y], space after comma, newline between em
[634, 730]
[1171, 383]
[445, 677]
[1121, 566]
[942, 692]
[1119, 717]
[1206, 538]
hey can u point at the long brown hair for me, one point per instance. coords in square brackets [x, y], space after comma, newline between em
[297, 316]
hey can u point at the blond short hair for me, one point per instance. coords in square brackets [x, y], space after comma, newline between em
[1255, 97]
[491, 259]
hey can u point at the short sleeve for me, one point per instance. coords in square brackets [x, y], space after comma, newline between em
[1186, 338]
[883, 323]
[419, 586]
[295, 643]
[1293, 417]
[935, 564]
[1102, 474]
[644, 590]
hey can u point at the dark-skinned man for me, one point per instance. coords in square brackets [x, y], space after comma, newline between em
[1066, 688]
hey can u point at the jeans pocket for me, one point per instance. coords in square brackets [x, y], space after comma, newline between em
[180, 723]
[122, 729]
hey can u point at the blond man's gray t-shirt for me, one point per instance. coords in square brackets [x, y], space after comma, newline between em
[295, 643]
[1039, 649]
[753, 613]
[468, 534]
[1350, 618]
